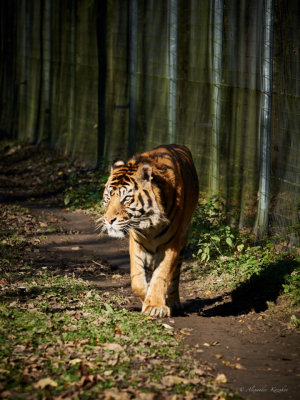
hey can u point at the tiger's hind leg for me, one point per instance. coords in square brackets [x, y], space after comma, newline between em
[173, 299]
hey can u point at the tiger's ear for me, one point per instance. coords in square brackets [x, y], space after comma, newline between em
[116, 164]
[145, 174]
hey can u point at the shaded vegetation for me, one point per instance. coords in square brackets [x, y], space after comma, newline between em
[237, 260]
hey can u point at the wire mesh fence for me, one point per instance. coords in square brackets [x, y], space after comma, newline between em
[101, 80]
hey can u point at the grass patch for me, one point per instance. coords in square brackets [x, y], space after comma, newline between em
[66, 337]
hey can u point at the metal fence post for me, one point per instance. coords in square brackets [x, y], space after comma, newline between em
[216, 95]
[133, 33]
[173, 39]
[261, 223]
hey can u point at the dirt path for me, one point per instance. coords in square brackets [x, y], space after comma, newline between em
[260, 358]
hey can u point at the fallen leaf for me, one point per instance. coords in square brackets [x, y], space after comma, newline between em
[183, 332]
[199, 371]
[108, 373]
[171, 380]
[113, 346]
[146, 396]
[221, 378]
[20, 348]
[114, 394]
[116, 276]
[238, 366]
[44, 382]
[227, 363]
[75, 361]
[99, 321]
[167, 326]
[219, 356]
[118, 330]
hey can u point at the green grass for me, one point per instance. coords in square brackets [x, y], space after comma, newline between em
[64, 330]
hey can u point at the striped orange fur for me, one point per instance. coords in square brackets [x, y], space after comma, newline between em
[152, 198]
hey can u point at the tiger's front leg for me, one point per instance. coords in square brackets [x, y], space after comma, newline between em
[161, 281]
[140, 263]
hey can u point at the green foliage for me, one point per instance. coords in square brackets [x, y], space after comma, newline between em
[292, 285]
[211, 236]
[86, 191]
[223, 251]
[295, 321]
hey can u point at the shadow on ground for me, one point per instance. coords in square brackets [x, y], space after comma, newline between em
[252, 295]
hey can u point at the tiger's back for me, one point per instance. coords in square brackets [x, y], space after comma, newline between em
[153, 197]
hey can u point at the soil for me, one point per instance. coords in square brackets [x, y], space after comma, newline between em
[256, 349]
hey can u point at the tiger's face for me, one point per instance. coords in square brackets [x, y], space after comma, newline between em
[129, 201]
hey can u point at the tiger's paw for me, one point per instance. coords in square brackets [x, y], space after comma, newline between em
[156, 311]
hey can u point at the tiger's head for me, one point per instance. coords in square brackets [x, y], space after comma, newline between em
[131, 202]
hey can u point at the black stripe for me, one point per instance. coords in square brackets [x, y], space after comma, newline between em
[150, 203]
[140, 258]
[141, 199]
[167, 242]
[149, 213]
[165, 230]
[172, 207]
[145, 248]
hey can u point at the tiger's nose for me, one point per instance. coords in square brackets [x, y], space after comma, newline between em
[110, 220]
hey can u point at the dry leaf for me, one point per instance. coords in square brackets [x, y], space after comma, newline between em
[238, 366]
[147, 396]
[75, 361]
[114, 394]
[167, 326]
[116, 276]
[44, 382]
[118, 330]
[199, 371]
[113, 346]
[183, 332]
[221, 378]
[171, 380]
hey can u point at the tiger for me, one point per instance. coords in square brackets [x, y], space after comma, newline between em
[152, 197]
